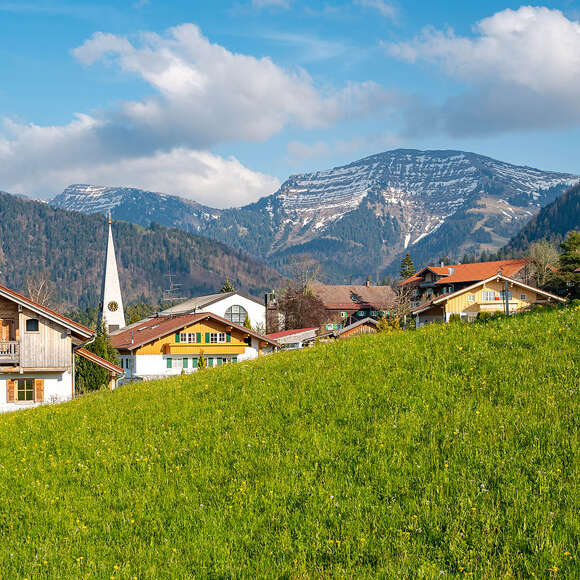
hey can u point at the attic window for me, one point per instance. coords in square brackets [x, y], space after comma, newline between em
[32, 325]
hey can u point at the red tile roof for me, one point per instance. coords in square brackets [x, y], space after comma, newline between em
[95, 358]
[154, 328]
[275, 335]
[455, 273]
[49, 313]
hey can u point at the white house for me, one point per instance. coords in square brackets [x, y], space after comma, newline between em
[37, 347]
[232, 306]
[168, 345]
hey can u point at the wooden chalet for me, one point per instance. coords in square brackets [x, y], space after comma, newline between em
[37, 348]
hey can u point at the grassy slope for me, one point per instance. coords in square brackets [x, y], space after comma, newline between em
[449, 449]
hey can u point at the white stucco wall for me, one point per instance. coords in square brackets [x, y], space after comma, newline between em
[256, 312]
[57, 389]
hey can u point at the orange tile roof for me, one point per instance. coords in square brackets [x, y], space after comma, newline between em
[154, 328]
[353, 296]
[471, 272]
[95, 358]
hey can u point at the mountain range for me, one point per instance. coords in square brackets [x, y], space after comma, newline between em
[361, 218]
[67, 250]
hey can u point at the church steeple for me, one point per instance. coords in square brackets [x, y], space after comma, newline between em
[113, 315]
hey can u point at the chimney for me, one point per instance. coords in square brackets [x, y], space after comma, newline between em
[368, 283]
[442, 264]
[132, 337]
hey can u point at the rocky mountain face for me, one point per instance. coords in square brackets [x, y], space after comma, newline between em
[359, 219]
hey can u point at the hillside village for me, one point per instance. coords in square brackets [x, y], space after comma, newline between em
[39, 346]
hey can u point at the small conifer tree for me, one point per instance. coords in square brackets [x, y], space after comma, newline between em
[202, 362]
[227, 286]
[407, 267]
[247, 322]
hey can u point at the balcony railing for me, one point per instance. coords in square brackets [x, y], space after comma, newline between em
[9, 351]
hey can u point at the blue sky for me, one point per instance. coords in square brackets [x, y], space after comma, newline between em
[221, 101]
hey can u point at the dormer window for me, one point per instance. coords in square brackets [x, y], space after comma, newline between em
[32, 325]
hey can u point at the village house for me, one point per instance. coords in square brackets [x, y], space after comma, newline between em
[293, 339]
[362, 326]
[344, 304]
[169, 345]
[433, 281]
[497, 293]
[37, 348]
[232, 306]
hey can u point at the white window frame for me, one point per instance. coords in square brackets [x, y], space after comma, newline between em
[523, 296]
[188, 337]
[488, 295]
[217, 337]
[471, 298]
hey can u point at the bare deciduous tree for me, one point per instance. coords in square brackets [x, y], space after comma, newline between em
[543, 255]
[40, 289]
[304, 269]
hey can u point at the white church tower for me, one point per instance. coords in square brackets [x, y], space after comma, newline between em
[113, 315]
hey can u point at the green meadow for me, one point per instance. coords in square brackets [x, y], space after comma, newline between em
[451, 451]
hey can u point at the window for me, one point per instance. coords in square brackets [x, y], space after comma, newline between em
[343, 314]
[32, 325]
[185, 363]
[190, 337]
[471, 298]
[217, 337]
[169, 363]
[502, 294]
[25, 390]
[236, 313]
[523, 297]
[361, 313]
[488, 295]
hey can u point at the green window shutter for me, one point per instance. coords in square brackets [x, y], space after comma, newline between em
[169, 363]
[207, 337]
[228, 337]
[235, 359]
[194, 362]
[177, 337]
[219, 361]
[198, 337]
[185, 363]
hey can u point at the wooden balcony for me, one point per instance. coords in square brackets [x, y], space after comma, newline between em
[9, 352]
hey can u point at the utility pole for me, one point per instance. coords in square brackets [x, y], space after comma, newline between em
[506, 300]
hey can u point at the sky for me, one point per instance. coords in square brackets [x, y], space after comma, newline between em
[221, 101]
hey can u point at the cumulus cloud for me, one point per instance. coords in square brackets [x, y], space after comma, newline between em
[523, 68]
[44, 160]
[206, 94]
[202, 95]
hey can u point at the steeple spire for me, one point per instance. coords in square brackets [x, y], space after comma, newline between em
[113, 315]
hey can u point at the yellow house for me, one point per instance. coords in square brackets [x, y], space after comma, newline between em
[485, 296]
[169, 345]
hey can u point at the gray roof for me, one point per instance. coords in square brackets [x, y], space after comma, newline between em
[202, 302]
[357, 323]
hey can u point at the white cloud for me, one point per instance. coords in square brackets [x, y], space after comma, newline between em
[203, 95]
[207, 94]
[44, 160]
[385, 9]
[523, 67]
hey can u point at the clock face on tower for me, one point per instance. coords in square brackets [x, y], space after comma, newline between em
[112, 306]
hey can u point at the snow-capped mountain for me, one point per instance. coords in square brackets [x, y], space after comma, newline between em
[357, 219]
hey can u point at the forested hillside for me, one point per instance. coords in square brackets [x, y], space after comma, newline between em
[552, 223]
[67, 248]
